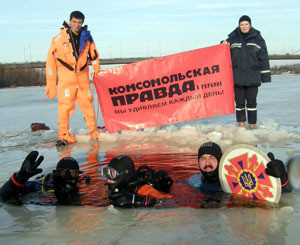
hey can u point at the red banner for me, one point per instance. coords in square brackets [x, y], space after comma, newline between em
[166, 90]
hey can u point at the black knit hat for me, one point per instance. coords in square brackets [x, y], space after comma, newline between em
[245, 18]
[67, 162]
[210, 148]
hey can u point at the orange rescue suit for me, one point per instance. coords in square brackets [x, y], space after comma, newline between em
[72, 69]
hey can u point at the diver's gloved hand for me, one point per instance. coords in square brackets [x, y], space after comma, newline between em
[29, 167]
[211, 202]
[162, 181]
[145, 173]
[122, 198]
[276, 169]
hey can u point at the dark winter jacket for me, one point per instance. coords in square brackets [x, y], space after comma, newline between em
[249, 55]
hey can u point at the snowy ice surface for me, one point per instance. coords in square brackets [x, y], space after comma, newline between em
[278, 130]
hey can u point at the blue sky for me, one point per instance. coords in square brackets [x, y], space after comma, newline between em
[135, 28]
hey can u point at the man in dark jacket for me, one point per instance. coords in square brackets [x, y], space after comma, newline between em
[62, 181]
[250, 64]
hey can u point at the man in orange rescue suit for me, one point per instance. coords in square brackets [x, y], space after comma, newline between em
[68, 58]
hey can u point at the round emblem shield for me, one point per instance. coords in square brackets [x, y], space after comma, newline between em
[242, 172]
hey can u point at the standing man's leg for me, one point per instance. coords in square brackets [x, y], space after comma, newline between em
[66, 108]
[251, 96]
[85, 104]
[239, 97]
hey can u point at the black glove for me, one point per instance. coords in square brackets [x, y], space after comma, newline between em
[162, 181]
[276, 169]
[145, 174]
[211, 202]
[29, 167]
[122, 198]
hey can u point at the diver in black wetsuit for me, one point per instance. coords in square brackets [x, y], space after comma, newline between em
[209, 156]
[62, 181]
[129, 188]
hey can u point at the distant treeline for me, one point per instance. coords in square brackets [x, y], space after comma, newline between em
[292, 69]
[21, 77]
[12, 77]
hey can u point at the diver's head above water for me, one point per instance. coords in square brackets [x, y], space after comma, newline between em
[209, 156]
[65, 178]
[119, 173]
[68, 169]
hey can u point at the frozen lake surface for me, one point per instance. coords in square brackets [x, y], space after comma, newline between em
[173, 148]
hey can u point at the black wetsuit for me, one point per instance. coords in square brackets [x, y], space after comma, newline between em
[11, 192]
[34, 192]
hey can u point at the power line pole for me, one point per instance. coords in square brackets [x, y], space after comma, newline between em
[24, 54]
[29, 53]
